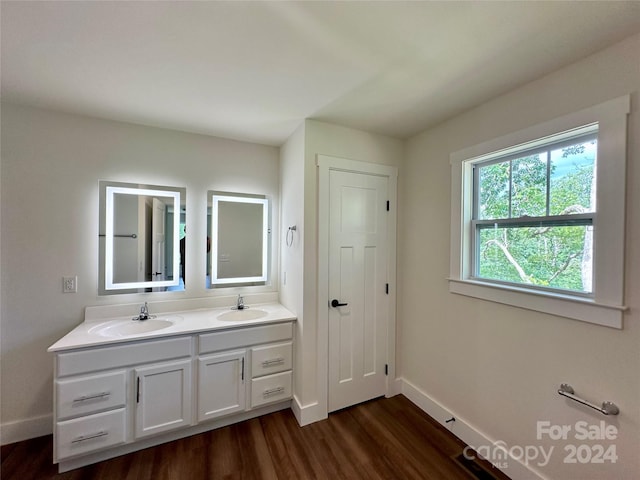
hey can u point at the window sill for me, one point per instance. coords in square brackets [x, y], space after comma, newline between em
[577, 308]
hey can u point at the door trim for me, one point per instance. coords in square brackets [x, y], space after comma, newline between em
[326, 164]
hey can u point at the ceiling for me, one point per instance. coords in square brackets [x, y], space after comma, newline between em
[254, 71]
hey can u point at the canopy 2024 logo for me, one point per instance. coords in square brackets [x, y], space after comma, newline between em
[586, 452]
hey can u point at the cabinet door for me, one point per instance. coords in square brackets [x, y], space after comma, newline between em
[163, 397]
[221, 384]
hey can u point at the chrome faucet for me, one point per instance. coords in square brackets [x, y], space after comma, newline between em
[240, 304]
[144, 313]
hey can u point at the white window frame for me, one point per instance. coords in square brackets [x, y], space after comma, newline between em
[606, 304]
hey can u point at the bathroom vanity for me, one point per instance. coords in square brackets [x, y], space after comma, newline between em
[122, 385]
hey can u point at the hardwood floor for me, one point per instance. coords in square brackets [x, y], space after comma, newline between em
[381, 439]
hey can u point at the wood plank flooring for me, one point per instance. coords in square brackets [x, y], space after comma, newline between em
[381, 439]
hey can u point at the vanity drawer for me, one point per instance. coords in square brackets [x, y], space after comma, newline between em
[243, 337]
[271, 388]
[134, 353]
[271, 359]
[84, 395]
[86, 434]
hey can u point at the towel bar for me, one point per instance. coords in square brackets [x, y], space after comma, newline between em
[133, 235]
[607, 408]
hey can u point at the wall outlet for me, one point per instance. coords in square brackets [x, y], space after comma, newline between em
[70, 284]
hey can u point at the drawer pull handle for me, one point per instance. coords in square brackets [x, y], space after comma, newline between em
[83, 438]
[84, 398]
[273, 391]
[272, 361]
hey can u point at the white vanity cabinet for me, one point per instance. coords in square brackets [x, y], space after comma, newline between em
[234, 365]
[112, 399]
[100, 391]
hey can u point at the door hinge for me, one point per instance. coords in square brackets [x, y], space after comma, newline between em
[387, 205]
[386, 369]
[386, 288]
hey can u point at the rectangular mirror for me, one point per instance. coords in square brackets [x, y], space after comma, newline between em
[238, 240]
[142, 238]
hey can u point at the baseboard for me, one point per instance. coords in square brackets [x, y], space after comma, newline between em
[306, 414]
[514, 469]
[394, 387]
[19, 430]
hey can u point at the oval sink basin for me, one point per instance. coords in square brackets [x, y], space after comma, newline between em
[239, 315]
[125, 328]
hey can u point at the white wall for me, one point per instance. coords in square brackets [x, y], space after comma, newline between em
[51, 165]
[496, 367]
[292, 257]
[326, 139]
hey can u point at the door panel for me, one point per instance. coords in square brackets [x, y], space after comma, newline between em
[221, 387]
[163, 397]
[357, 276]
[369, 328]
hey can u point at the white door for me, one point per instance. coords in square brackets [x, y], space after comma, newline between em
[163, 397]
[358, 276]
[221, 384]
[158, 247]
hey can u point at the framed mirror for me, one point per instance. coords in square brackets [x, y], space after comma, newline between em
[238, 240]
[142, 238]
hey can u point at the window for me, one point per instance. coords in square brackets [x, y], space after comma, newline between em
[533, 215]
[538, 216]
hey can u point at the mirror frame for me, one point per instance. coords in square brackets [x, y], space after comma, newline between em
[113, 188]
[216, 198]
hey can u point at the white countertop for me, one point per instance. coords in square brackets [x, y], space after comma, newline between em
[185, 322]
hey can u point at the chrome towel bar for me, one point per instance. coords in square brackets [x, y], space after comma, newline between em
[132, 235]
[607, 408]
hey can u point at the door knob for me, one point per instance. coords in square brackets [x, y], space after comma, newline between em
[336, 303]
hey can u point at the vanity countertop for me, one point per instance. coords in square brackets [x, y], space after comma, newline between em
[101, 332]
